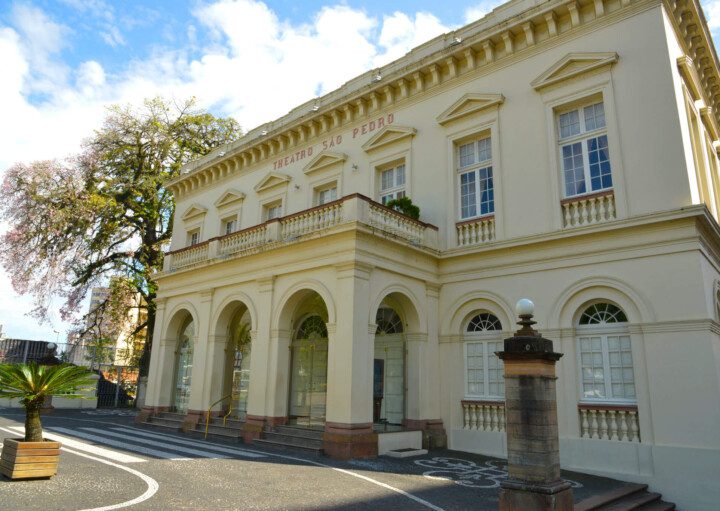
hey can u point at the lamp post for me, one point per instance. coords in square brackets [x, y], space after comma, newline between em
[533, 482]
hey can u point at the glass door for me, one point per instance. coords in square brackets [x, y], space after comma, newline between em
[308, 386]
[183, 370]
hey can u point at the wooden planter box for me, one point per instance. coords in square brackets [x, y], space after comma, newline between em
[29, 460]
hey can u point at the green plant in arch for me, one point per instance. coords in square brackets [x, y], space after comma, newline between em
[32, 383]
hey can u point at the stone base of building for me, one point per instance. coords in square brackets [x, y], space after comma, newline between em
[433, 432]
[191, 420]
[252, 428]
[146, 411]
[276, 421]
[347, 441]
[519, 496]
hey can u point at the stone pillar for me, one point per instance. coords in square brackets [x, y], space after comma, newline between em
[199, 400]
[349, 422]
[533, 482]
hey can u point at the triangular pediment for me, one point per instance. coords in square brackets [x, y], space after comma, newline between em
[324, 160]
[231, 197]
[388, 135]
[572, 65]
[272, 180]
[194, 211]
[471, 103]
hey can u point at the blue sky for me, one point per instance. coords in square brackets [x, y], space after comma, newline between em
[64, 61]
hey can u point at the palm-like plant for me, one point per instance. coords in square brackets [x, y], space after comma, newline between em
[32, 383]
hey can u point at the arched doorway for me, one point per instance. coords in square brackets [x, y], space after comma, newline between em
[237, 364]
[183, 367]
[389, 368]
[308, 374]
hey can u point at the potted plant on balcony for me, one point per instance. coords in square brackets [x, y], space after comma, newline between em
[31, 457]
[405, 206]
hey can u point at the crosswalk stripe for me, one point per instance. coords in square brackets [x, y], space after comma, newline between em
[207, 445]
[132, 438]
[122, 445]
[82, 446]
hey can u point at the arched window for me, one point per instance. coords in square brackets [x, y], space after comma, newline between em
[484, 378]
[388, 322]
[605, 354]
[313, 328]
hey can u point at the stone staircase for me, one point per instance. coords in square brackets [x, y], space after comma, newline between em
[627, 498]
[166, 420]
[217, 428]
[294, 437]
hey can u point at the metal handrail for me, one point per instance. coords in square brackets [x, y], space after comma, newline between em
[207, 415]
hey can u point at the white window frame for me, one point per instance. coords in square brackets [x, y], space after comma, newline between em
[270, 207]
[603, 331]
[395, 191]
[193, 237]
[476, 167]
[484, 339]
[583, 138]
[319, 191]
[229, 225]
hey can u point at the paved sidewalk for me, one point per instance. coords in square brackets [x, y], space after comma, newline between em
[110, 461]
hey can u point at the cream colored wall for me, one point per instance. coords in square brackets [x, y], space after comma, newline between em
[645, 140]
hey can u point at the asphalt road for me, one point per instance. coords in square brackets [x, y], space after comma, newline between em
[110, 463]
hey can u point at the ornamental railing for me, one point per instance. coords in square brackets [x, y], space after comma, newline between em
[190, 255]
[476, 231]
[483, 415]
[353, 209]
[608, 422]
[588, 209]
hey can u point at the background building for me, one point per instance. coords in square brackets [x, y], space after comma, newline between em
[561, 151]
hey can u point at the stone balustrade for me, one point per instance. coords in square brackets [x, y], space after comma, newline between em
[354, 209]
[588, 209]
[476, 231]
[189, 256]
[312, 220]
[483, 415]
[244, 240]
[608, 422]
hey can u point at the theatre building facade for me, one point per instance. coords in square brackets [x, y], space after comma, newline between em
[560, 151]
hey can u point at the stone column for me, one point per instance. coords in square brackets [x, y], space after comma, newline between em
[533, 482]
[199, 400]
[349, 422]
[160, 373]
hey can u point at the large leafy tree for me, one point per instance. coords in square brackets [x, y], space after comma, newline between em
[104, 215]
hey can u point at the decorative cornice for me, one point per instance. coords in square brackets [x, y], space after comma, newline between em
[509, 30]
[272, 180]
[193, 211]
[388, 135]
[229, 198]
[323, 161]
[469, 104]
[573, 65]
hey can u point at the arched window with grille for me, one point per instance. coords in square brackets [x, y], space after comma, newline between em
[484, 378]
[605, 354]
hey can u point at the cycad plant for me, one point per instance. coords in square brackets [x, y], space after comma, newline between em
[32, 383]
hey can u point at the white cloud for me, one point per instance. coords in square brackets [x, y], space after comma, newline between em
[256, 67]
[712, 14]
[480, 10]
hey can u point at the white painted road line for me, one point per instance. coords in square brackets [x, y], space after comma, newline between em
[82, 446]
[122, 445]
[182, 441]
[155, 443]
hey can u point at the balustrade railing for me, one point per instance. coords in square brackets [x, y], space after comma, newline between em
[475, 232]
[189, 256]
[396, 223]
[312, 220]
[607, 422]
[352, 208]
[242, 240]
[588, 209]
[483, 415]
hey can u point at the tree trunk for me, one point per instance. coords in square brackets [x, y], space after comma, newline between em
[147, 348]
[33, 427]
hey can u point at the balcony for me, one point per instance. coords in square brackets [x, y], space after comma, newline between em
[608, 422]
[476, 231]
[355, 209]
[588, 209]
[483, 415]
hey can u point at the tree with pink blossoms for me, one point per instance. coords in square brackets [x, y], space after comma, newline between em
[104, 216]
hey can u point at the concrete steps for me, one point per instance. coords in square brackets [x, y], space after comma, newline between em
[293, 437]
[627, 498]
[228, 429]
[166, 420]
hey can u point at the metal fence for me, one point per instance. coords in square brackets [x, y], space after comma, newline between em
[117, 386]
